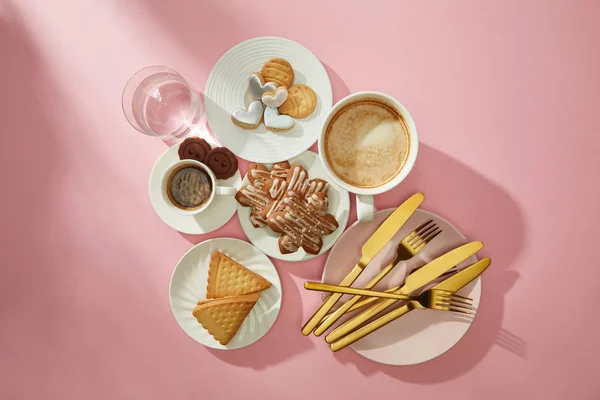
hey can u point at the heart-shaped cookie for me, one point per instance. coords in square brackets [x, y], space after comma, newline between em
[276, 98]
[277, 123]
[250, 118]
[258, 87]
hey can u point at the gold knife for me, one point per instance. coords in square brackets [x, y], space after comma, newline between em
[417, 279]
[452, 284]
[374, 245]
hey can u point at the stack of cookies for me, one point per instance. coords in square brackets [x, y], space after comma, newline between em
[231, 292]
[290, 204]
[276, 99]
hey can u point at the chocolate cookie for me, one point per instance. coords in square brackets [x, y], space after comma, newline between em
[222, 162]
[194, 148]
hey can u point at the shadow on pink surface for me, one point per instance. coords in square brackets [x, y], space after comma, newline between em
[482, 211]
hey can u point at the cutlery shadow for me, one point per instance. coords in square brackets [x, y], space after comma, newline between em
[481, 210]
[281, 343]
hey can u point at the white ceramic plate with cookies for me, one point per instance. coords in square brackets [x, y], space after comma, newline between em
[339, 206]
[227, 90]
[189, 285]
[215, 216]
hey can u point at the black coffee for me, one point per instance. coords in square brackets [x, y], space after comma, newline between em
[189, 187]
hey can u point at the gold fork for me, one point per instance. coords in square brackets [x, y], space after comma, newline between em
[437, 295]
[408, 247]
[426, 300]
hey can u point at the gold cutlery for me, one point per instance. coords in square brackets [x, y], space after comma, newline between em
[414, 281]
[440, 295]
[408, 247]
[452, 284]
[369, 250]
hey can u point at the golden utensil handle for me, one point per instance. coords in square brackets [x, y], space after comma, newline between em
[330, 302]
[370, 328]
[357, 321]
[331, 318]
[324, 287]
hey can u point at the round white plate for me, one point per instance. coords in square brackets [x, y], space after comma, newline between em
[188, 285]
[215, 216]
[227, 90]
[419, 335]
[339, 206]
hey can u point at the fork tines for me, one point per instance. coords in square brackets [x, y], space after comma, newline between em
[423, 234]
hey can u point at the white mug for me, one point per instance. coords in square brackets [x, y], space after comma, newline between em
[216, 190]
[365, 208]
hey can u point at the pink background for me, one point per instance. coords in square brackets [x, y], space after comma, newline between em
[505, 95]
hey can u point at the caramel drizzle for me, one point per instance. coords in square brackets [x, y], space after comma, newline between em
[302, 223]
[296, 182]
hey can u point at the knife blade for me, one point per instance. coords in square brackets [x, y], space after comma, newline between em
[417, 279]
[369, 250]
[454, 283]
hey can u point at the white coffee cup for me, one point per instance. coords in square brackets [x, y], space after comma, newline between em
[364, 196]
[216, 190]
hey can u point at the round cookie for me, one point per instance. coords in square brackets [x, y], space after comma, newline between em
[194, 148]
[222, 162]
[300, 103]
[278, 71]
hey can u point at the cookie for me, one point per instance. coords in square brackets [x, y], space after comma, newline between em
[258, 86]
[275, 98]
[258, 172]
[222, 162]
[229, 278]
[277, 123]
[300, 103]
[315, 186]
[222, 318]
[303, 224]
[280, 169]
[194, 148]
[278, 71]
[249, 118]
[256, 197]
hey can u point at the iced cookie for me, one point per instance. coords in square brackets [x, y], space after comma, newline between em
[277, 123]
[275, 98]
[302, 224]
[258, 173]
[278, 71]
[222, 162]
[250, 118]
[194, 148]
[300, 103]
[258, 86]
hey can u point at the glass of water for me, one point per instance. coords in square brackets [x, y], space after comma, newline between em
[158, 101]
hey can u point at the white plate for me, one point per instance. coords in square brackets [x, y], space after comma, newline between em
[421, 334]
[215, 216]
[339, 206]
[227, 90]
[188, 285]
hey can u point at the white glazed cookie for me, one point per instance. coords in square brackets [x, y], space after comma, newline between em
[258, 87]
[250, 118]
[277, 123]
[275, 98]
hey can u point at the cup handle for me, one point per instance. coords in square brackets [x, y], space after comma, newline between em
[365, 209]
[226, 191]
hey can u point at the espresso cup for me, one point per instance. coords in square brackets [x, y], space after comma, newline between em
[368, 144]
[215, 190]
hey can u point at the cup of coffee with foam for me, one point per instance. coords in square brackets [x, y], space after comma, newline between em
[368, 144]
[189, 187]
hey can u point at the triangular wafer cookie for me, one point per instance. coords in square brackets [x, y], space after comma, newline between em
[229, 278]
[223, 317]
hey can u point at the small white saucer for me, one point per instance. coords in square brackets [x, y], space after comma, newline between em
[215, 216]
[339, 206]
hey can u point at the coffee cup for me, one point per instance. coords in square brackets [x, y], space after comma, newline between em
[368, 144]
[188, 187]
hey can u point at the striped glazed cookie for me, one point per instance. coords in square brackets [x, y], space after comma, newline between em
[278, 71]
[301, 102]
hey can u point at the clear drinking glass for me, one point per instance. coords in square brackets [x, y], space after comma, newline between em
[158, 101]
